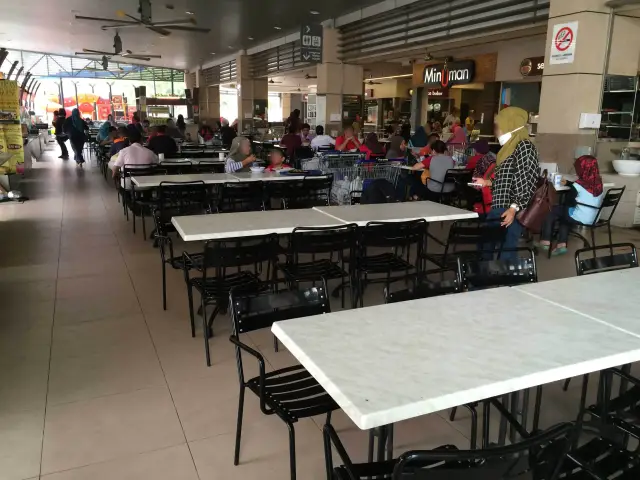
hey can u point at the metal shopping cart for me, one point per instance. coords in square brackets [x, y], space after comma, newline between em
[350, 182]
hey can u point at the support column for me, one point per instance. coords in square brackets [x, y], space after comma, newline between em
[335, 79]
[571, 89]
[253, 95]
[210, 103]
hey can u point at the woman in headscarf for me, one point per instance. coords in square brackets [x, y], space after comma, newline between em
[484, 157]
[75, 127]
[397, 148]
[458, 137]
[240, 155]
[103, 133]
[581, 204]
[419, 139]
[181, 125]
[372, 146]
[516, 174]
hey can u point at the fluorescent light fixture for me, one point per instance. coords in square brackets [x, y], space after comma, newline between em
[314, 12]
[278, 28]
[189, 12]
[388, 78]
[250, 38]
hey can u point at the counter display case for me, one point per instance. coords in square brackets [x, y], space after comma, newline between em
[620, 109]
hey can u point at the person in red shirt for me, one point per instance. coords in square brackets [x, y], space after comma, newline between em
[276, 159]
[347, 141]
[291, 141]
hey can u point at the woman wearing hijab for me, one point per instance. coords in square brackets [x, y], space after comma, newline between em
[103, 133]
[240, 155]
[75, 127]
[581, 204]
[459, 136]
[482, 159]
[419, 139]
[397, 148]
[181, 125]
[372, 146]
[516, 174]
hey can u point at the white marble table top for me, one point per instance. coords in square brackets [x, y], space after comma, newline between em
[264, 176]
[208, 178]
[396, 212]
[194, 161]
[608, 297]
[389, 363]
[246, 224]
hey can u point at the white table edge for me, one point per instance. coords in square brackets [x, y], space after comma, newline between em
[362, 223]
[178, 229]
[416, 409]
[137, 184]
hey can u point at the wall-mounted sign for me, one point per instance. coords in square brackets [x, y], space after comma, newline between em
[311, 43]
[436, 92]
[449, 74]
[563, 43]
[532, 67]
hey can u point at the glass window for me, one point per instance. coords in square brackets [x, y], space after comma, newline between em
[274, 113]
[229, 104]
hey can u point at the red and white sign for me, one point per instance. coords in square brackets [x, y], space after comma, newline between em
[563, 43]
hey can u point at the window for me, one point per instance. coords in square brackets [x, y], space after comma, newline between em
[274, 112]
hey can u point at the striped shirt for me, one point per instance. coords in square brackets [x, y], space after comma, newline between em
[232, 166]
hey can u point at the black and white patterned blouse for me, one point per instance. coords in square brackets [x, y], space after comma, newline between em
[516, 177]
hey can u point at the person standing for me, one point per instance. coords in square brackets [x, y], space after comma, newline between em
[516, 174]
[181, 125]
[470, 122]
[75, 127]
[61, 137]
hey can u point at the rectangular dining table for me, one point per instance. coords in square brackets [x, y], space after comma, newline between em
[154, 181]
[268, 176]
[393, 362]
[396, 212]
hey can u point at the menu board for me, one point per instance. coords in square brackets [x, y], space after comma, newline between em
[10, 128]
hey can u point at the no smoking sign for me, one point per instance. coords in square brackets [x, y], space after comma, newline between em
[563, 46]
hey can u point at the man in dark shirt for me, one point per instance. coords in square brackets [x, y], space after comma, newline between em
[120, 140]
[162, 143]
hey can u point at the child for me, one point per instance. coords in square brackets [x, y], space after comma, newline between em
[276, 161]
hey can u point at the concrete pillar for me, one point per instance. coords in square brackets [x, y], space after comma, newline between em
[210, 103]
[253, 94]
[335, 79]
[571, 89]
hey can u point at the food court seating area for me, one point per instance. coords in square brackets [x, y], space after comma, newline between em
[337, 339]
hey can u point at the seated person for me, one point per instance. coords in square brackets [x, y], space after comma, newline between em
[162, 143]
[134, 155]
[171, 129]
[276, 161]
[459, 136]
[397, 148]
[321, 140]
[347, 142]
[305, 135]
[372, 146]
[146, 126]
[581, 204]
[439, 164]
[291, 141]
[426, 152]
[109, 138]
[120, 140]
[205, 131]
[240, 155]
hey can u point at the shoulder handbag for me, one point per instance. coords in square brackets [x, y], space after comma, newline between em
[543, 200]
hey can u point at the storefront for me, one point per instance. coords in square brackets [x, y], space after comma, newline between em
[466, 84]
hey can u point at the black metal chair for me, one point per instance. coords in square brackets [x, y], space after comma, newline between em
[241, 197]
[478, 274]
[177, 199]
[466, 239]
[604, 214]
[615, 261]
[291, 393]
[247, 255]
[284, 191]
[140, 202]
[177, 167]
[315, 192]
[337, 244]
[549, 455]
[400, 238]
[422, 287]
[208, 167]
[452, 177]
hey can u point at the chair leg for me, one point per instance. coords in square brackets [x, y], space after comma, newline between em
[236, 455]
[164, 286]
[610, 239]
[144, 225]
[593, 240]
[328, 458]
[205, 334]
[191, 315]
[565, 387]
[474, 427]
[452, 415]
[292, 450]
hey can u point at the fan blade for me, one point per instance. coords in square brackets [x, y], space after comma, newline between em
[135, 57]
[100, 52]
[160, 31]
[100, 19]
[130, 54]
[188, 29]
[168, 23]
[120, 25]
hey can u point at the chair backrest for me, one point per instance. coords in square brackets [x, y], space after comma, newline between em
[177, 167]
[181, 198]
[314, 240]
[220, 255]
[609, 203]
[538, 457]
[269, 303]
[424, 288]
[133, 170]
[499, 272]
[242, 196]
[474, 233]
[317, 188]
[209, 167]
[620, 260]
[393, 234]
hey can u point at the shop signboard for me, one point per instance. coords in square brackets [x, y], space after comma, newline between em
[11, 145]
[532, 67]
[436, 92]
[563, 43]
[311, 43]
[449, 74]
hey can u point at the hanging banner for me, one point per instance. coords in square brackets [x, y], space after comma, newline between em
[563, 43]
[10, 128]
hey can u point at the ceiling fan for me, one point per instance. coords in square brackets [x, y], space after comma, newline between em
[309, 77]
[144, 9]
[273, 82]
[371, 82]
[117, 51]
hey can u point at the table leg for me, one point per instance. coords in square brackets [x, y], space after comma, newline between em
[486, 426]
[502, 434]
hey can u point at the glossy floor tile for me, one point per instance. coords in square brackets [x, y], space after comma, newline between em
[98, 382]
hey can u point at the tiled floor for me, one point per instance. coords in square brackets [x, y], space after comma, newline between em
[98, 382]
